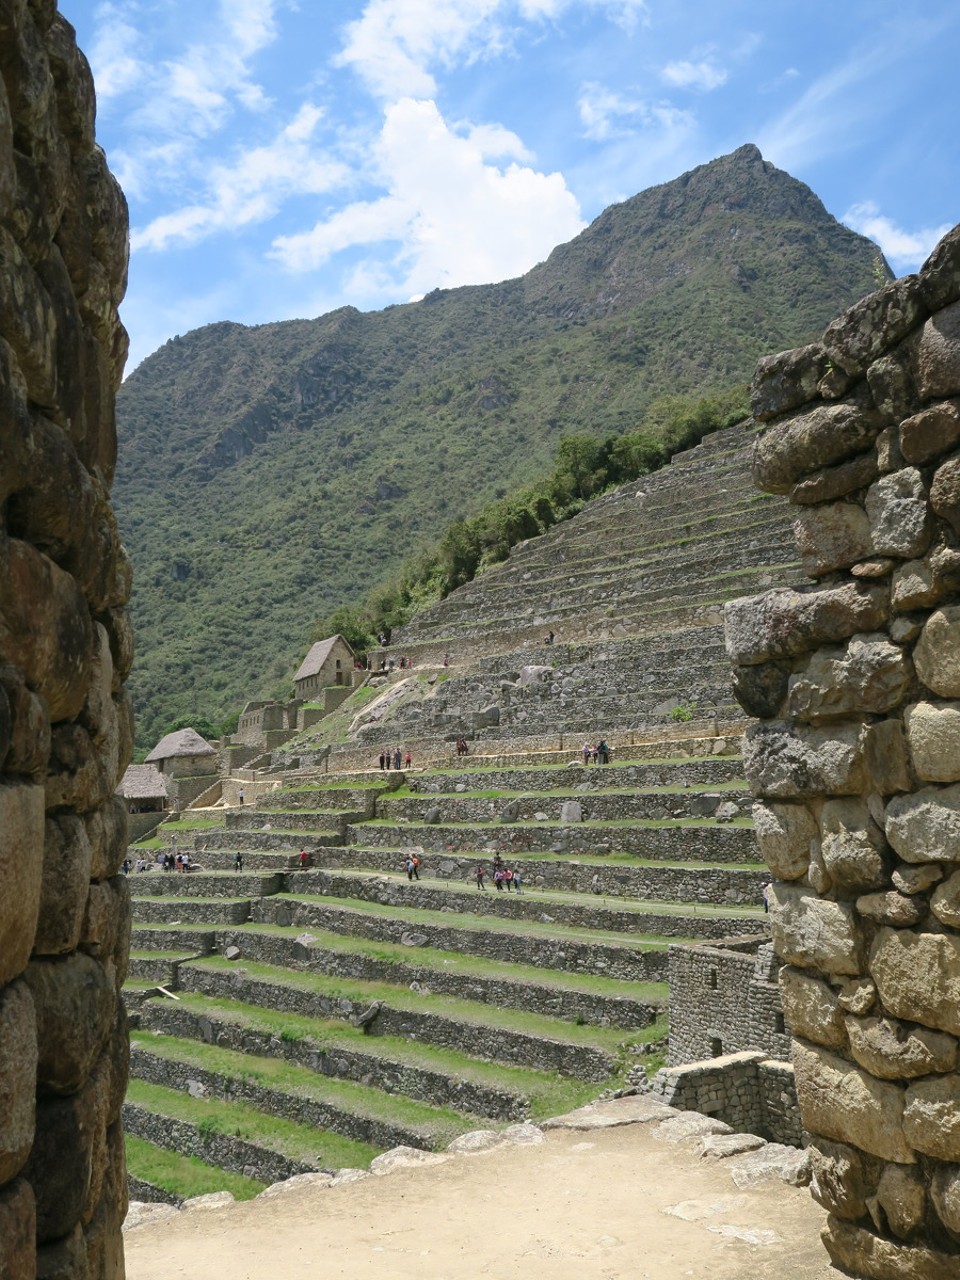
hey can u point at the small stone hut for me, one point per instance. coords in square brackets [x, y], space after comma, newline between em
[144, 789]
[329, 662]
[188, 763]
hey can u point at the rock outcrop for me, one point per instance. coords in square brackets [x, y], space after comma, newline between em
[65, 651]
[854, 761]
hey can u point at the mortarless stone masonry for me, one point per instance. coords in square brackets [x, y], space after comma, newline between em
[855, 762]
[65, 651]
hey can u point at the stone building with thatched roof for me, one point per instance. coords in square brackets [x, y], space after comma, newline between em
[188, 763]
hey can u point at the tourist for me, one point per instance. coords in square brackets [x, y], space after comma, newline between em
[302, 860]
[125, 866]
[507, 879]
[446, 659]
[480, 873]
[238, 861]
[586, 750]
[241, 795]
[416, 866]
[397, 758]
[408, 760]
[383, 758]
[411, 868]
[498, 878]
[765, 893]
[517, 880]
[603, 751]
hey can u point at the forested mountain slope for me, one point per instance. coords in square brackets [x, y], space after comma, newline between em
[267, 474]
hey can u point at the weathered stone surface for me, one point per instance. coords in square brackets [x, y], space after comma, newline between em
[945, 1194]
[930, 433]
[107, 832]
[887, 447]
[18, 1071]
[59, 1164]
[891, 908]
[921, 584]
[925, 826]
[832, 536]
[933, 736]
[918, 976]
[21, 874]
[638, 1108]
[786, 623]
[845, 1104]
[839, 1182]
[902, 1197]
[786, 834]
[761, 689]
[786, 381]
[900, 521]
[945, 901]
[894, 395]
[65, 1259]
[782, 761]
[945, 492]
[794, 447]
[931, 1118]
[689, 1126]
[476, 1142]
[280, 1190]
[721, 1146]
[75, 1001]
[18, 1239]
[861, 1253]
[874, 324]
[836, 482]
[896, 1051]
[940, 274]
[857, 996]
[852, 847]
[938, 355]
[405, 1158]
[916, 879]
[571, 811]
[868, 674]
[878, 567]
[811, 1008]
[812, 932]
[772, 1161]
[66, 880]
[30, 735]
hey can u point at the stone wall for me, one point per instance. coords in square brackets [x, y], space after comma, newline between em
[724, 999]
[856, 760]
[749, 1092]
[65, 651]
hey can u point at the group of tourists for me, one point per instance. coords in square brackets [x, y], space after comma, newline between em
[411, 865]
[503, 877]
[595, 752]
[395, 759]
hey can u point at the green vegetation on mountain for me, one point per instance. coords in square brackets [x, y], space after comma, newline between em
[269, 475]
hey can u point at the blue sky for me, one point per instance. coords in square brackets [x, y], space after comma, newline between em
[285, 157]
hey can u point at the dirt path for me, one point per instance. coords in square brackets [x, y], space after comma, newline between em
[597, 1205]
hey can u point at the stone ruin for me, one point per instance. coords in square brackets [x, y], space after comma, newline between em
[855, 761]
[65, 651]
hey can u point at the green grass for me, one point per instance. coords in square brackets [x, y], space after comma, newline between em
[238, 1120]
[184, 1176]
[440, 1124]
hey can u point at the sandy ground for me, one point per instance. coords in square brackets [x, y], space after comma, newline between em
[596, 1205]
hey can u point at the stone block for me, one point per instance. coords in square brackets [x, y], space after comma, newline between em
[900, 521]
[937, 356]
[796, 763]
[839, 1180]
[832, 536]
[107, 831]
[18, 1078]
[784, 623]
[786, 381]
[931, 433]
[925, 825]
[868, 675]
[945, 1194]
[858, 1252]
[852, 847]
[918, 977]
[902, 1197]
[845, 1104]
[761, 689]
[78, 775]
[933, 737]
[65, 1259]
[886, 757]
[940, 274]
[75, 999]
[786, 835]
[874, 324]
[66, 881]
[812, 932]
[794, 447]
[811, 1008]
[29, 748]
[916, 879]
[831, 483]
[931, 1117]
[945, 902]
[18, 1232]
[895, 1050]
[891, 386]
[891, 908]
[21, 874]
[59, 1164]
[945, 492]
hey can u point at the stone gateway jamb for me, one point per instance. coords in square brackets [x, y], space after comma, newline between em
[66, 732]
[854, 760]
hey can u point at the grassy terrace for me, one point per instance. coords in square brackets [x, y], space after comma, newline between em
[439, 1125]
[548, 1094]
[456, 962]
[468, 924]
[238, 1120]
[608, 1040]
[607, 860]
[601, 826]
[184, 1176]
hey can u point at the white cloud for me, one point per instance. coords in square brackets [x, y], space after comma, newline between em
[251, 188]
[114, 59]
[606, 114]
[394, 44]
[904, 250]
[704, 75]
[458, 219]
